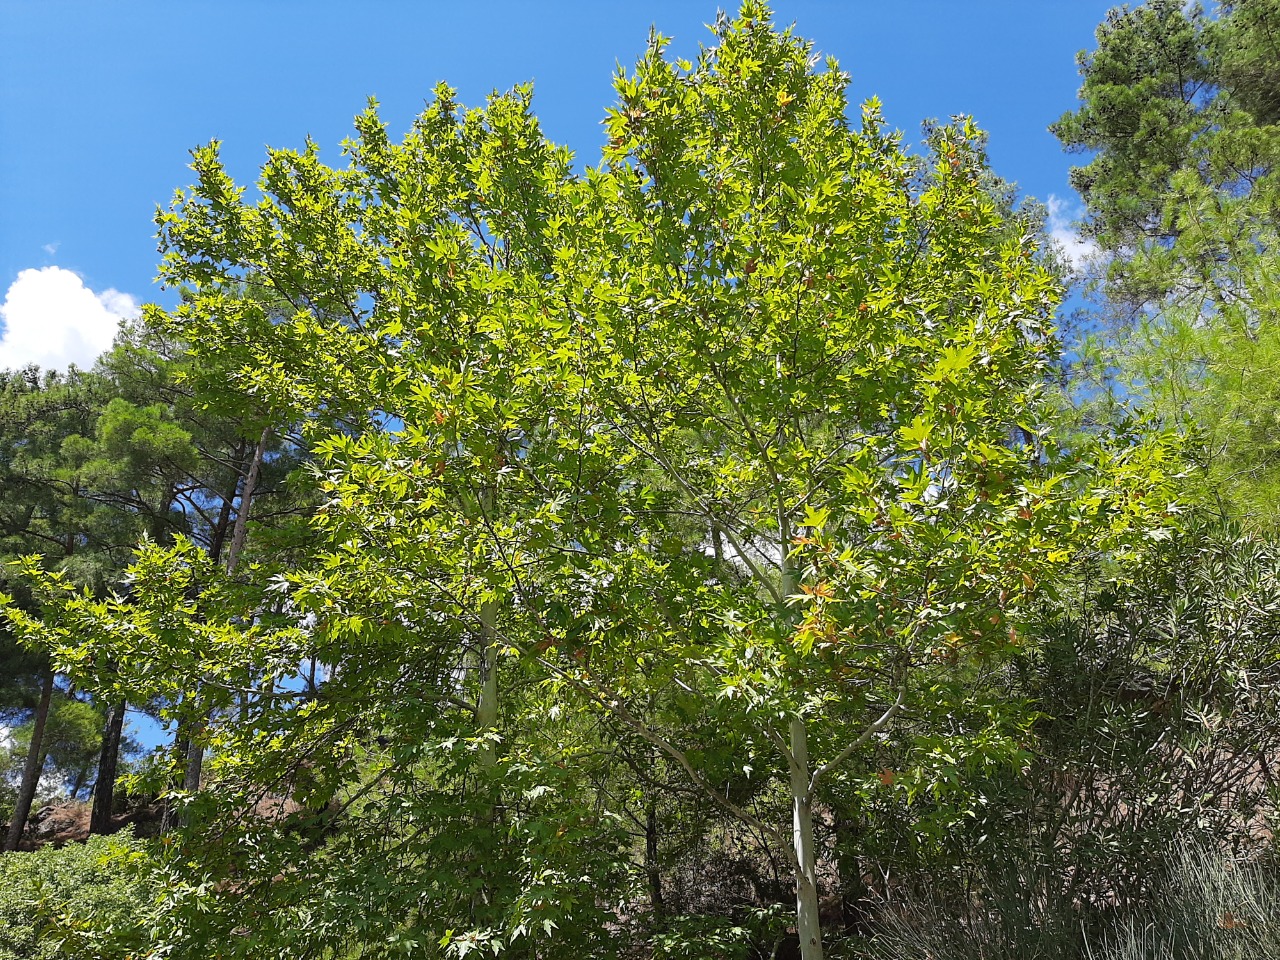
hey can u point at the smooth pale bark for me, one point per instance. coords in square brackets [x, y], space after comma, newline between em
[104, 791]
[803, 855]
[808, 924]
[487, 703]
[31, 769]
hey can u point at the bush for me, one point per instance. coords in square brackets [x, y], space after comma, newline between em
[1212, 910]
[1204, 907]
[49, 898]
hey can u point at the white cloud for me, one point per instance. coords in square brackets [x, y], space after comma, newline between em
[50, 248]
[1078, 251]
[50, 318]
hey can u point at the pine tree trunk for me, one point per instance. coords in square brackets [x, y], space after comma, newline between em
[246, 501]
[78, 783]
[104, 791]
[191, 754]
[170, 821]
[31, 770]
[808, 924]
[223, 525]
[187, 741]
[195, 764]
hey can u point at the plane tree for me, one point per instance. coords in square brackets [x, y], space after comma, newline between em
[735, 445]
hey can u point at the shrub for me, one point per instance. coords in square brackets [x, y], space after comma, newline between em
[49, 897]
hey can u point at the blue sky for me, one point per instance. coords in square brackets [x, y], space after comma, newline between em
[100, 103]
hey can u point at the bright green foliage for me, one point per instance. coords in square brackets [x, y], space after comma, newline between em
[735, 446]
[1183, 196]
[82, 901]
[716, 938]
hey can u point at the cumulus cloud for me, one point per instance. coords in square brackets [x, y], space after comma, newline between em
[50, 318]
[1078, 251]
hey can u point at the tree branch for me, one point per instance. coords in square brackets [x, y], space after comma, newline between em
[866, 735]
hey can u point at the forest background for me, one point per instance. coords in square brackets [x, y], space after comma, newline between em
[714, 551]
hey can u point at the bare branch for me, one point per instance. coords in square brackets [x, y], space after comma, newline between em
[866, 735]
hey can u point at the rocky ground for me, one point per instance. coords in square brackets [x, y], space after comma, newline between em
[68, 822]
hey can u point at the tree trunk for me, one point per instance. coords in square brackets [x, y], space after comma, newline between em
[246, 501]
[487, 703]
[803, 856]
[104, 791]
[853, 889]
[195, 763]
[487, 700]
[181, 745]
[191, 752]
[218, 536]
[187, 741]
[808, 924]
[31, 770]
[651, 866]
